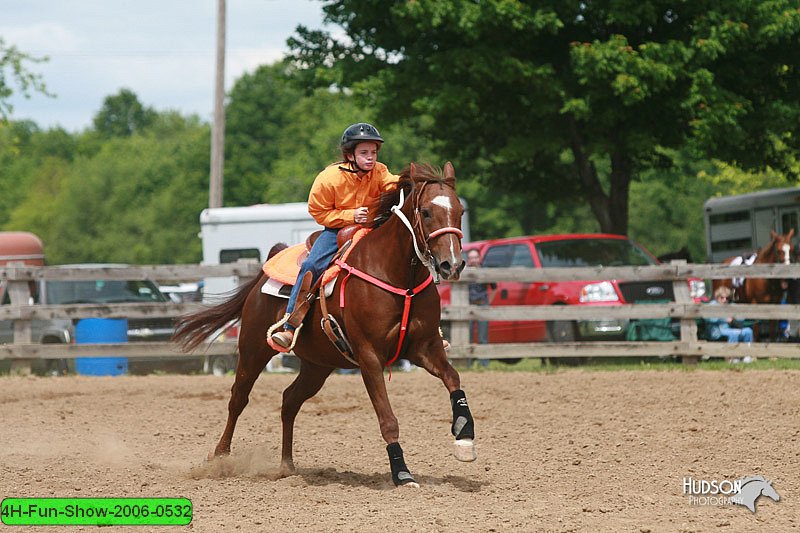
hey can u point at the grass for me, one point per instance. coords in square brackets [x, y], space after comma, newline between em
[604, 364]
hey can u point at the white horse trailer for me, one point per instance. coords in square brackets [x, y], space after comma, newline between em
[741, 224]
[233, 233]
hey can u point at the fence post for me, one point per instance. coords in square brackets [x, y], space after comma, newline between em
[680, 288]
[20, 295]
[459, 329]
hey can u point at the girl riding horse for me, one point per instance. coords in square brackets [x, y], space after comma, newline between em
[384, 301]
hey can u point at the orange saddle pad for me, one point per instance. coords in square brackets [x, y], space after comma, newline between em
[285, 265]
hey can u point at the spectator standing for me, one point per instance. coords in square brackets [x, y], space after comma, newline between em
[479, 295]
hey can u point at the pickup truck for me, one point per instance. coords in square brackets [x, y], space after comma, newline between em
[568, 250]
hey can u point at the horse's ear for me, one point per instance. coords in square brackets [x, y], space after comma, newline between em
[790, 234]
[412, 169]
[449, 171]
[773, 234]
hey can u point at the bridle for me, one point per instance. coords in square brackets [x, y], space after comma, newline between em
[424, 255]
[781, 251]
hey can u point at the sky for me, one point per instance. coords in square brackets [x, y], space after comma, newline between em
[162, 50]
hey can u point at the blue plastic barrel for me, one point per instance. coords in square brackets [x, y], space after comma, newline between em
[99, 331]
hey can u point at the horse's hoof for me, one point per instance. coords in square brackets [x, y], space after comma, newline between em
[464, 450]
[214, 454]
[286, 470]
[412, 484]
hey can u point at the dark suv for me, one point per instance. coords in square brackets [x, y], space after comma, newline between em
[67, 292]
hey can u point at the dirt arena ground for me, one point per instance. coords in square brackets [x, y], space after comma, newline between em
[573, 450]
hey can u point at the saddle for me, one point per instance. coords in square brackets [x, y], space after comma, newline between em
[282, 268]
[282, 271]
[741, 260]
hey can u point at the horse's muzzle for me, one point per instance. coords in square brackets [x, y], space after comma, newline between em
[447, 271]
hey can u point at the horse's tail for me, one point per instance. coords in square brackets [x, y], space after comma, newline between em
[192, 329]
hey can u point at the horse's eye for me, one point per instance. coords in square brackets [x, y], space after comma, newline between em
[426, 214]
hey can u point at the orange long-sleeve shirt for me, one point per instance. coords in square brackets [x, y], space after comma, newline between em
[336, 194]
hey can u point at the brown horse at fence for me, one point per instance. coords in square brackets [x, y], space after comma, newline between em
[416, 231]
[762, 290]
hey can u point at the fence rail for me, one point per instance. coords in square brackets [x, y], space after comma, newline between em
[458, 313]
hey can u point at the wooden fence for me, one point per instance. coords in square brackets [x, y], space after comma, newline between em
[22, 312]
[459, 313]
[689, 347]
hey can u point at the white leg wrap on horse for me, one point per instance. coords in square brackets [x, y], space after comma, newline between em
[464, 450]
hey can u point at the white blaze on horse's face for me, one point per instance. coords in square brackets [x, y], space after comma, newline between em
[444, 202]
[786, 255]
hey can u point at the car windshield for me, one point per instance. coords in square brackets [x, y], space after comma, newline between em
[591, 252]
[102, 291]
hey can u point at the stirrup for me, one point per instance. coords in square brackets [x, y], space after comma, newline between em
[277, 325]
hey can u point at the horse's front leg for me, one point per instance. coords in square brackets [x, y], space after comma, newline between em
[434, 360]
[372, 374]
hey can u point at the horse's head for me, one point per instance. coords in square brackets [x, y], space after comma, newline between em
[435, 213]
[782, 247]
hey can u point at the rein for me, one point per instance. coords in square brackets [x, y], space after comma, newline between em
[423, 256]
[407, 293]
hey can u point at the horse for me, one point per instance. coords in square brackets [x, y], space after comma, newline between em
[752, 488]
[416, 232]
[762, 290]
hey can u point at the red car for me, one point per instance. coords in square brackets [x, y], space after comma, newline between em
[568, 250]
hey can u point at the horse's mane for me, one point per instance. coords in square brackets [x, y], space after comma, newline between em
[422, 172]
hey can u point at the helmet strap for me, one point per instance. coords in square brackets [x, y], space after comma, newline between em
[353, 164]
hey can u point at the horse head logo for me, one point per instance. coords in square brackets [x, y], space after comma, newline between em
[754, 487]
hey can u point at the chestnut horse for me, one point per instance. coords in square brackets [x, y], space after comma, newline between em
[416, 231]
[762, 290]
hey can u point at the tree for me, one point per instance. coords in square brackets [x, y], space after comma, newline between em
[122, 115]
[13, 72]
[136, 199]
[561, 100]
[278, 137]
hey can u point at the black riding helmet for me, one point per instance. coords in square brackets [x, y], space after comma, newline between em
[359, 133]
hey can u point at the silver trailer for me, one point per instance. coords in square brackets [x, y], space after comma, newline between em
[741, 224]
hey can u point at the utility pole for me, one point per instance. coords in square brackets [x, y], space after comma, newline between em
[218, 129]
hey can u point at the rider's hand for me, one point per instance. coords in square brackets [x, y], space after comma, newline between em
[361, 215]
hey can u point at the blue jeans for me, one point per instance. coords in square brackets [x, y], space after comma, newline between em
[318, 259]
[736, 335]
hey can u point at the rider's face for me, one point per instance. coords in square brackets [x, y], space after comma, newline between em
[366, 154]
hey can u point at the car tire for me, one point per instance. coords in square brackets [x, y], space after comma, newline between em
[563, 331]
[55, 367]
[220, 365]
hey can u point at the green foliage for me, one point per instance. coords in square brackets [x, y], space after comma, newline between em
[279, 138]
[122, 115]
[14, 72]
[582, 94]
[136, 200]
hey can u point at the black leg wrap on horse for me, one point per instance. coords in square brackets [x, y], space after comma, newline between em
[463, 425]
[400, 473]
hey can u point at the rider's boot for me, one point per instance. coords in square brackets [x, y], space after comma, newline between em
[283, 338]
[304, 297]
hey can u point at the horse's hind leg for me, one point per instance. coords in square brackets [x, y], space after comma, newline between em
[249, 367]
[435, 362]
[307, 383]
